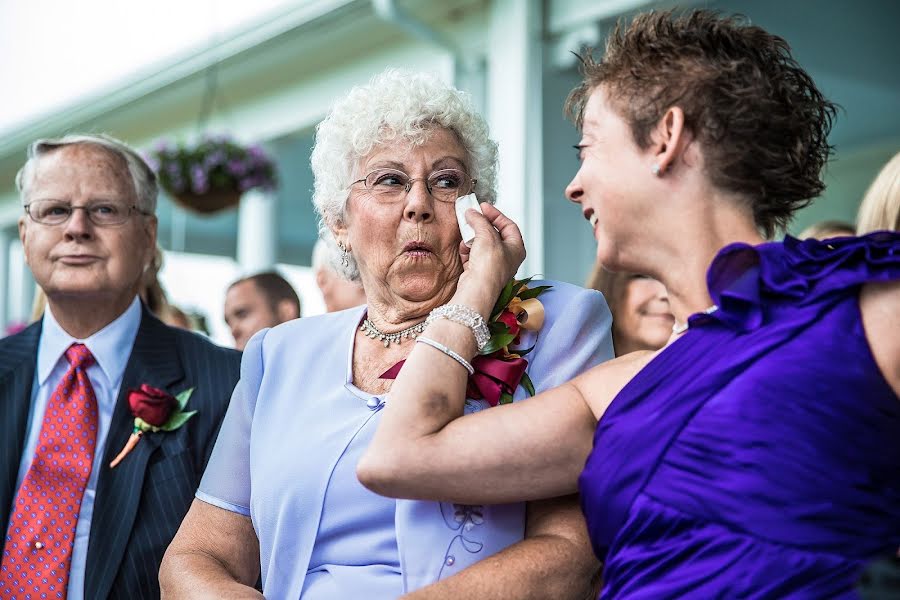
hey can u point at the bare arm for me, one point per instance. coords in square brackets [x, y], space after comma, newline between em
[554, 561]
[879, 304]
[214, 555]
[528, 450]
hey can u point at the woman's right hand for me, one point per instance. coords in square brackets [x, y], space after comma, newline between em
[495, 256]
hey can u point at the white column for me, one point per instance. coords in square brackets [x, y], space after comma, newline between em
[257, 232]
[5, 241]
[515, 116]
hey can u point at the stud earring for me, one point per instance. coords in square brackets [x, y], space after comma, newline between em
[656, 170]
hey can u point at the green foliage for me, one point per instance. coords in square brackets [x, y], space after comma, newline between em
[177, 420]
[183, 398]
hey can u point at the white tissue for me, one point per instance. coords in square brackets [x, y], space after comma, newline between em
[464, 203]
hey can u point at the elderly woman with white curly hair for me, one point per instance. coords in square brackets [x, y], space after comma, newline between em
[280, 497]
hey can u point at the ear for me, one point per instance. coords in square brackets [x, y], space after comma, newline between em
[670, 139]
[322, 278]
[341, 233]
[23, 234]
[150, 226]
[286, 311]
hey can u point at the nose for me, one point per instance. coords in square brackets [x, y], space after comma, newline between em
[79, 226]
[660, 292]
[574, 191]
[419, 202]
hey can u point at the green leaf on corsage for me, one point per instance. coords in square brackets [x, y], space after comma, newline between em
[177, 420]
[183, 398]
[527, 384]
[497, 342]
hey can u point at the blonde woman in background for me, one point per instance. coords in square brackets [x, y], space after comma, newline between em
[825, 230]
[880, 208]
[642, 319]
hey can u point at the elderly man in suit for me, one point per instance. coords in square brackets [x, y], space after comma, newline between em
[72, 384]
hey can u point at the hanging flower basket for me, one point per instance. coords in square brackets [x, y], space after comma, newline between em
[211, 174]
[211, 202]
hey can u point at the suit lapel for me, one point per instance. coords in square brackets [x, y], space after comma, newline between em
[17, 363]
[154, 360]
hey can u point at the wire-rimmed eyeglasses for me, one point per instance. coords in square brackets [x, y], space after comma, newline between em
[390, 185]
[101, 214]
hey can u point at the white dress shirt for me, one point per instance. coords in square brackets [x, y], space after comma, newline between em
[111, 347]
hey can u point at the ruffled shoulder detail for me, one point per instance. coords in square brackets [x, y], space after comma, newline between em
[745, 280]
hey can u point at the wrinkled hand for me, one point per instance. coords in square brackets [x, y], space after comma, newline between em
[495, 255]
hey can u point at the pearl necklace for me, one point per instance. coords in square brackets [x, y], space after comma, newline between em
[682, 327]
[368, 327]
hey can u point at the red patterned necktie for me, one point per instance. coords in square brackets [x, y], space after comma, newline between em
[37, 551]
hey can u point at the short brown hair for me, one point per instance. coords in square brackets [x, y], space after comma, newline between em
[274, 289]
[760, 119]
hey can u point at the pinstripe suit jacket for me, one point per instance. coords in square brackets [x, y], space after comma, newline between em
[139, 504]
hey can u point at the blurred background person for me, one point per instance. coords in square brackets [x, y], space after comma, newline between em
[259, 301]
[824, 230]
[175, 317]
[639, 304]
[880, 208]
[338, 291]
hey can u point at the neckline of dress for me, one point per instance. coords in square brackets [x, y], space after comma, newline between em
[679, 328]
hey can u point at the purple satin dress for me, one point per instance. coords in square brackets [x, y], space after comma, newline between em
[758, 456]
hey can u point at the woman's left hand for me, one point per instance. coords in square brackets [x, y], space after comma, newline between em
[495, 255]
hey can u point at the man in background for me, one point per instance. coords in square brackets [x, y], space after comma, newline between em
[338, 291]
[73, 382]
[259, 301]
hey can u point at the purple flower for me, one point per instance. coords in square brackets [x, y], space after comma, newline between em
[199, 182]
[237, 167]
[161, 146]
[256, 152]
[214, 158]
[152, 162]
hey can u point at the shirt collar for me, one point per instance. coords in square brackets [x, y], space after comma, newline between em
[111, 346]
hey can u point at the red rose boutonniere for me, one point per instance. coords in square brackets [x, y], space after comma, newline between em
[499, 370]
[154, 410]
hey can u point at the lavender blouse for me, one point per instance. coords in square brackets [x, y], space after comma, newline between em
[296, 427]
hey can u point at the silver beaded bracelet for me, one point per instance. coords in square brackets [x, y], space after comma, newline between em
[447, 351]
[459, 313]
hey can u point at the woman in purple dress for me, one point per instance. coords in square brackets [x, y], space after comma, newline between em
[758, 453]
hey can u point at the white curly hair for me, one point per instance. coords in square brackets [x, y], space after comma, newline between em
[395, 105]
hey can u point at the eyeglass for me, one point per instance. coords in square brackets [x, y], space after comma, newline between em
[389, 185]
[101, 214]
